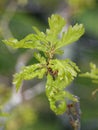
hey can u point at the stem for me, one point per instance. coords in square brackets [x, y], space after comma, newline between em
[74, 113]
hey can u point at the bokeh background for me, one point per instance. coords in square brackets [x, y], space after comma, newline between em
[29, 108]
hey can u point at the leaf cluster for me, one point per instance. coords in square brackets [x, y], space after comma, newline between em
[49, 42]
[59, 73]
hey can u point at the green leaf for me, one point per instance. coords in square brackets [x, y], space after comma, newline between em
[29, 72]
[56, 23]
[40, 58]
[41, 36]
[30, 41]
[66, 68]
[11, 42]
[57, 95]
[60, 52]
[49, 42]
[93, 74]
[54, 95]
[71, 35]
[55, 86]
[39, 33]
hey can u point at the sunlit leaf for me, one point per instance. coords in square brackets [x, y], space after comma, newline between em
[56, 23]
[55, 88]
[71, 35]
[27, 73]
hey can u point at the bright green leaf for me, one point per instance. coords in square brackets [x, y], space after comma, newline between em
[93, 74]
[71, 35]
[57, 95]
[30, 41]
[29, 72]
[56, 23]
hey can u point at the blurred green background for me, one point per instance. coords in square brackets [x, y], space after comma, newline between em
[29, 109]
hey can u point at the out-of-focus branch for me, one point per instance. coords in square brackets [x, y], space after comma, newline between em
[34, 91]
[22, 61]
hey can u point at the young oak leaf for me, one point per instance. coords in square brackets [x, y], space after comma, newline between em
[93, 74]
[66, 68]
[29, 72]
[30, 41]
[57, 95]
[41, 36]
[71, 35]
[56, 84]
[40, 58]
[56, 23]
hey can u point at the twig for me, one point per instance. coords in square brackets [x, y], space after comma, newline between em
[74, 113]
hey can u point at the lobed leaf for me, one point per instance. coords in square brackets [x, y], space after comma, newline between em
[40, 58]
[29, 72]
[56, 23]
[41, 36]
[66, 68]
[46, 42]
[30, 41]
[93, 74]
[55, 88]
[71, 35]
[57, 95]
